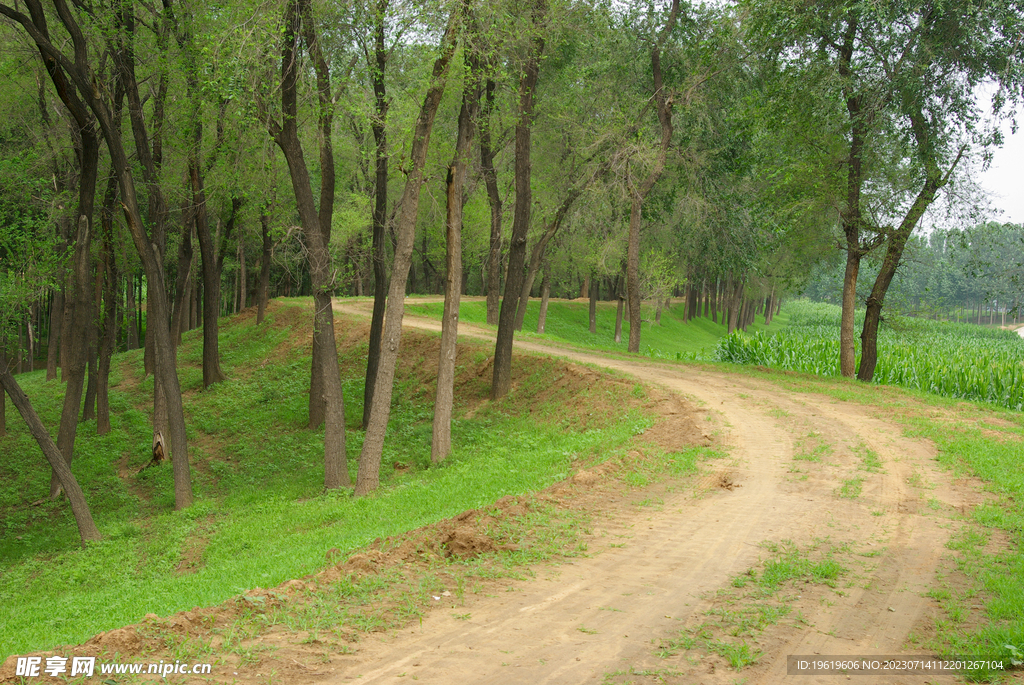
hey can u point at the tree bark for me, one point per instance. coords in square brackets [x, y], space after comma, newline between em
[593, 306]
[380, 208]
[325, 385]
[264, 268]
[934, 180]
[108, 335]
[243, 286]
[89, 407]
[53, 339]
[3, 413]
[87, 530]
[619, 302]
[368, 477]
[181, 290]
[639, 193]
[441, 443]
[545, 294]
[494, 201]
[502, 379]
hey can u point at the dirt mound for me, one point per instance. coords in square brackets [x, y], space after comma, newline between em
[122, 641]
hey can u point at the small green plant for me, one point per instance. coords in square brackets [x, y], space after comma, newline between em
[588, 631]
[869, 460]
[739, 655]
[851, 488]
[816, 453]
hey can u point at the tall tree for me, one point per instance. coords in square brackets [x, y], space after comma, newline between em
[368, 477]
[377, 61]
[80, 71]
[502, 377]
[905, 78]
[441, 443]
[639, 191]
[326, 402]
[183, 30]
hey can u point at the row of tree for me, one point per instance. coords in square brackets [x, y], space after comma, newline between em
[971, 275]
[657, 148]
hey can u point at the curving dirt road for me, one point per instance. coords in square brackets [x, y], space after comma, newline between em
[656, 571]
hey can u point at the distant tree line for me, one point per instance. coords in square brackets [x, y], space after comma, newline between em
[972, 275]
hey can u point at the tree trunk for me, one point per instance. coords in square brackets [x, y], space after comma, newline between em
[264, 268]
[243, 286]
[131, 323]
[108, 341]
[441, 443]
[325, 386]
[545, 293]
[181, 291]
[502, 378]
[639, 193]
[380, 211]
[593, 308]
[847, 346]
[3, 413]
[87, 530]
[53, 339]
[714, 300]
[494, 201]
[30, 333]
[74, 371]
[212, 372]
[618, 317]
[368, 477]
[734, 306]
[89, 408]
[894, 250]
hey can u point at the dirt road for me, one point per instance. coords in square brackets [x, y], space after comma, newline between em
[827, 477]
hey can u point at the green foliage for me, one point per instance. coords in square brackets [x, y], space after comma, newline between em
[954, 360]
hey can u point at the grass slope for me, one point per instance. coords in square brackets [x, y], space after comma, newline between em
[261, 516]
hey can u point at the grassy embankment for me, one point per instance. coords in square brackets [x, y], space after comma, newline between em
[261, 516]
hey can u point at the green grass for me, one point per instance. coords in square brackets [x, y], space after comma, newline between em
[569, 322]
[791, 564]
[261, 516]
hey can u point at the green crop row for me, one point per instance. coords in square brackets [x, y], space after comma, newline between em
[954, 360]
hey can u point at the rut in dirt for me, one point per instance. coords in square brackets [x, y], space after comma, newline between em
[659, 571]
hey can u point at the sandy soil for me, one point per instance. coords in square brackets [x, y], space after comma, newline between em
[655, 572]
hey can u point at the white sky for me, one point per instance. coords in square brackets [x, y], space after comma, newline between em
[1005, 178]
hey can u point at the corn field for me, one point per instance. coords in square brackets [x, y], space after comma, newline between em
[956, 360]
